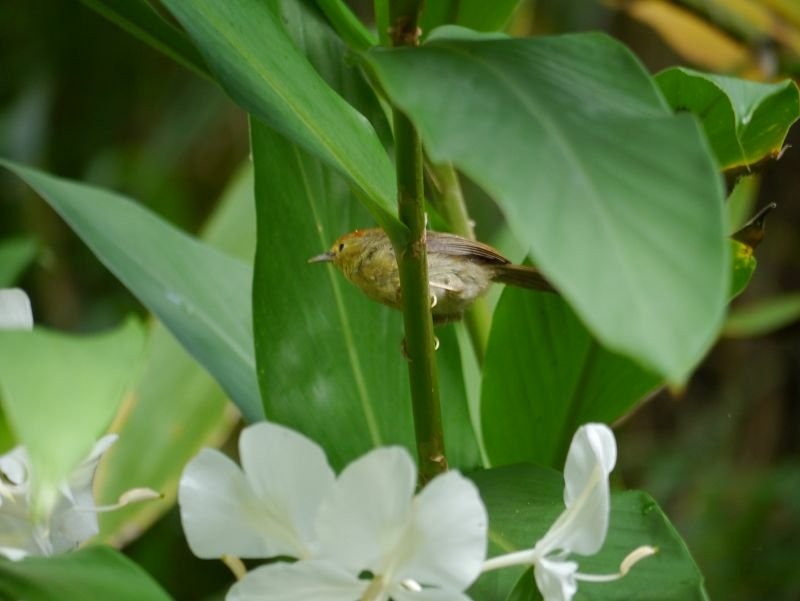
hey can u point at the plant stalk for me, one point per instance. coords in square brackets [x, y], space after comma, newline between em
[453, 209]
[413, 267]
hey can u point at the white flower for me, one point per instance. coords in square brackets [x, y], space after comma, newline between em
[266, 510]
[15, 310]
[361, 536]
[582, 526]
[378, 541]
[72, 519]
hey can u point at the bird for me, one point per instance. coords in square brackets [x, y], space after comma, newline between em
[460, 270]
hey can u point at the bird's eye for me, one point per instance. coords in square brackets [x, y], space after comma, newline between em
[341, 247]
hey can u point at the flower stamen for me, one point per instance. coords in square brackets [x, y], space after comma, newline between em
[135, 495]
[630, 560]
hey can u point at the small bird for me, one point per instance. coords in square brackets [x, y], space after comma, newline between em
[459, 270]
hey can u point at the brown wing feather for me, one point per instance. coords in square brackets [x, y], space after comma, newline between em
[453, 245]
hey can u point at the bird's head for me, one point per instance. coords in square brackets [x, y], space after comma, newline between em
[349, 248]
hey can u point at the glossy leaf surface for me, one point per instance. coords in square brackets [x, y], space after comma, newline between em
[617, 200]
[329, 358]
[60, 392]
[200, 294]
[524, 500]
[544, 376]
[192, 409]
[257, 63]
[94, 573]
[475, 14]
[745, 121]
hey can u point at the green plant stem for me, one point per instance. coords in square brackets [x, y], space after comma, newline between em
[451, 206]
[347, 24]
[413, 266]
[403, 19]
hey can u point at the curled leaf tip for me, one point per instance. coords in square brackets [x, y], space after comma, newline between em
[753, 231]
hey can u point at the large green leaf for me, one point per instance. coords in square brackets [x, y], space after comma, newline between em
[544, 376]
[745, 121]
[524, 500]
[302, 208]
[139, 18]
[152, 452]
[257, 63]
[618, 201]
[329, 360]
[475, 14]
[200, 294]
[89, 574]
[60, 392]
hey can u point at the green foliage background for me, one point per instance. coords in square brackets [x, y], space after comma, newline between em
[83, 99]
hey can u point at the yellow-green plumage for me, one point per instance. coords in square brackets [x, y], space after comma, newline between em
[459, 270]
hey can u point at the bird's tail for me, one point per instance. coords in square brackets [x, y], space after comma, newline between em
[522, 276]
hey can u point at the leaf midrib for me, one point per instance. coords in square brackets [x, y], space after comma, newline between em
[551, 126]
[296, 109]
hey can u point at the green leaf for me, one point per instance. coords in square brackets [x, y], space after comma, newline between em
[742, 201]
[524, 500]
[139, 18]
[347, 24]
[254, 59]
[200, 294]
[525, 589]
[302, 208]
[60, 393]
[16, 254]
[745, 121]
[744, 265]
[763, 317]
[329, 360]
[91, 574]
[544, 376]
[617, 200]
[153, 452]
[475, 14]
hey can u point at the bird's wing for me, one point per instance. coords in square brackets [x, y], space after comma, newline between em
[451, 244]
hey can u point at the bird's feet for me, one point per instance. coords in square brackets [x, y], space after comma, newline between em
[404, 347]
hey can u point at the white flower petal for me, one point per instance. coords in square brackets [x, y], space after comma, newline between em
[15, 310]
[428, 594]
[556, 579]
[17, 533]
[221, 514]
[72, 520]
[593, 445]
[582, 527]
[288, 472]
[447, 544]
[15, 466]
[368, 510]
[302, 581]
[13, 554]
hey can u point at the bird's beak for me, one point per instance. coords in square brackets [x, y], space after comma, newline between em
[323, 258]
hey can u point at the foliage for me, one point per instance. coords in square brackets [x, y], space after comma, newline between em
[616, 199]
